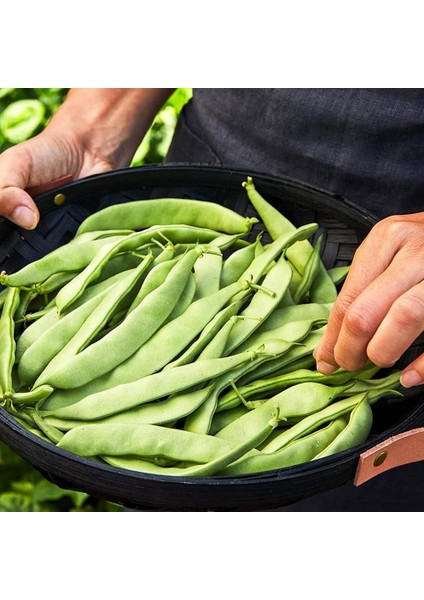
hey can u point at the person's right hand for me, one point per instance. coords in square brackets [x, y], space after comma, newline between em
[38, 162]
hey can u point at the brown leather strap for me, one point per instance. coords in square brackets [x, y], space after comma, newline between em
[397, 450]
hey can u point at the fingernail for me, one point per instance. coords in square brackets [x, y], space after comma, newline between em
[24, 217]
[325, 368]
[411, 378]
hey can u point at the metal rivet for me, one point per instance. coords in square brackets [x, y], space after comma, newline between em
[379, 460]
[59, 199]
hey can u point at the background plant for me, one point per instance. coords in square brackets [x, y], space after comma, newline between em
[24, 112]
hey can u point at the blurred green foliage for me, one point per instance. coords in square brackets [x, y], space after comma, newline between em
[24, 112]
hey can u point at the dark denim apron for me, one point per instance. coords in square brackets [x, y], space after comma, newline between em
[366, 145]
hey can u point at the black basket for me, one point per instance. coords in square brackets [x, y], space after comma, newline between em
[343, 227]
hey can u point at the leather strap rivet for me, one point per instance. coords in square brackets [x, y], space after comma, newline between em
[379, 460]
[59, 199]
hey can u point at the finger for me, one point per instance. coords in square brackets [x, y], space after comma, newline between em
[18, 206]
[401, 326]
[413, 374]
[15, 203]
[367, 312]
[371, 259]
[359, 310]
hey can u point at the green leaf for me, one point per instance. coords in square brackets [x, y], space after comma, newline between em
[11, 502]
[45, 491]
[20, 120]
[5, 91]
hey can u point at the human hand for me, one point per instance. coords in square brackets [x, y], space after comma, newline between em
[380, 309]
[95, 130]
[38, 162]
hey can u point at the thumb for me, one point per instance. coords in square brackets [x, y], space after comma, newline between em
[15, 203]
[18, 206]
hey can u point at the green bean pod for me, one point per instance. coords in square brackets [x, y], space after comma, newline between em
[222, 419]
[309, 274]
[297, 312]
[113, 349]
[207, 273]
[312, 422]
[294, 353]
[166, 211]
[156, 352]
[33, 396]
[185, 301]
[96, 320]
[281, 245]
[51, 340]
[206, 336]
[70, 257]
[8, 345]
[142, 440]
[338, 274]
[262, 304]
[237, 263]
[176, 233]
[263, 388]
[246, 447]
[291, 332]
[151, 387]
[200, 419]
[301, 450]
[297, 401]
[154, 279]
[355, 433]
[298, 254]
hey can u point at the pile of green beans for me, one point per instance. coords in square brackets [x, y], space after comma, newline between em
[173, 345]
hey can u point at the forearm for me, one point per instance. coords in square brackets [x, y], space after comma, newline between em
[109, 122]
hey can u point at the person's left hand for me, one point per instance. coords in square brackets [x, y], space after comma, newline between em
[380, 309]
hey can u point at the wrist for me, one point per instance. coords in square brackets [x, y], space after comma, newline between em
[108, 123]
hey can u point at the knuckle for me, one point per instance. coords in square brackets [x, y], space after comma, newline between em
[359, 322]
[380, 357]
[408, 311]
[342, 306]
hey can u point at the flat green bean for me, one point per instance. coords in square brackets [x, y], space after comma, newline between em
[262, 304]
[298, 254]
[176, 233]
[207, 273]
[165, 211]
[247, 446]
[309, 274]
[113, 349]
[151, 387]
[296, 401]
[207, 335]
[143, 440]
[297, 312]
[108, 303]
[299, 451]
[355, 433]
[262, 388]
[70, 257]
[8, 345]
[312, 422]
[156, 352]
[237, 263]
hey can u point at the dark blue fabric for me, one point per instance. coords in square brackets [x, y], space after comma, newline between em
[364, 144]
